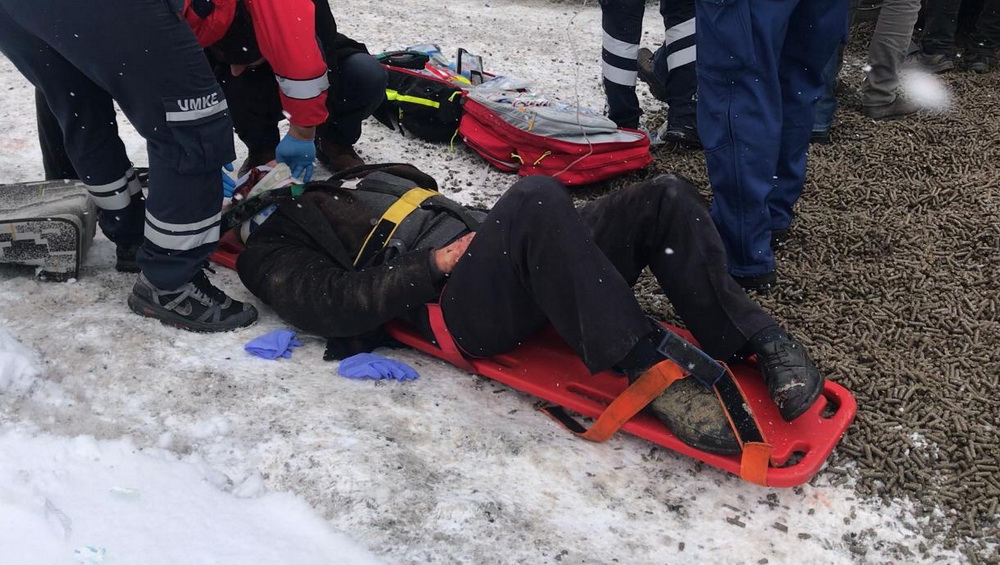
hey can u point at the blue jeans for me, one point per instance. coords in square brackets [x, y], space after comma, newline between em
[826, 106]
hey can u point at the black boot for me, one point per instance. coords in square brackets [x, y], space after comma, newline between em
[793, 381]
[687, 408]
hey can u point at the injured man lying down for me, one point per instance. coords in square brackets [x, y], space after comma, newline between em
[341, 260]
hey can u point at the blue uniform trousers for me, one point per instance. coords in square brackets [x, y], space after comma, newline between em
[82, 57]
[760, 72]
[673, 64]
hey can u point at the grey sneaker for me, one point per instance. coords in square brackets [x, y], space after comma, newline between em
[898, 108]
[198, 306]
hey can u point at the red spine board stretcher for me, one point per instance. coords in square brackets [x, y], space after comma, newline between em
[547, 368]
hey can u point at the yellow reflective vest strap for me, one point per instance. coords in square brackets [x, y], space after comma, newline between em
[389, 222]
[395, 96]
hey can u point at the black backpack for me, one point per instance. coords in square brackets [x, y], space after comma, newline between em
[418, 102]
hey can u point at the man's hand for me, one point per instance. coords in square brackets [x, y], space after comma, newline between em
[298, 151]
[447, 257]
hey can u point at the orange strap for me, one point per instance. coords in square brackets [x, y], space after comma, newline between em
[651, 384]
[756, 452]
[755, 462]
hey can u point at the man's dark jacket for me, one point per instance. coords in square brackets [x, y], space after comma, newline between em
[300, 261]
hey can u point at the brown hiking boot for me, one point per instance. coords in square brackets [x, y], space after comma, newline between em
[693, 413]
[337, 157]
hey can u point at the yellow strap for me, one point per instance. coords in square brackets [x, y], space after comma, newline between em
[394, 95]
[400, 209]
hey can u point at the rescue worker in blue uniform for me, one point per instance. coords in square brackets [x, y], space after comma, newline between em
[760, 72]
[670, 72]
[82, 56]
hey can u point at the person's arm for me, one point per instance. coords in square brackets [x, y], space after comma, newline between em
[286, 35]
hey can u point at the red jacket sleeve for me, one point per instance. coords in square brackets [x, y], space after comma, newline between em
[286, 35]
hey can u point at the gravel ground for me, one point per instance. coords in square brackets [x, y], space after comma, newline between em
[891, 278]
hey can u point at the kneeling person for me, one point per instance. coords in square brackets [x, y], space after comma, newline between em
[533, 259]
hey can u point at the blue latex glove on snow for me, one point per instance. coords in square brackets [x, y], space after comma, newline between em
[371, 366]
[278, 343]
[228, 182]
[299, 155]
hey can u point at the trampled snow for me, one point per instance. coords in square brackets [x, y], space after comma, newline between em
[151, 445]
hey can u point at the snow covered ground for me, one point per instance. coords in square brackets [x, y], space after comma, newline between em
[125, 441]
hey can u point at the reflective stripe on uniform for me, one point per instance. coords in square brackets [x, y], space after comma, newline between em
[620, 48]
[681, 58]
[618, 76]
[182, 237]
[303, 89]
[191, 115]
[679, 31]
[115, 195]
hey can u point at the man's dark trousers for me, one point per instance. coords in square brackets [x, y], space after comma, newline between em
[83, 56]
[536, 259]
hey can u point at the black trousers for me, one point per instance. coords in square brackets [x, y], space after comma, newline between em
[941, 25]
[673, 65]
[537, 259]
[82, 56]
[50, 138]
[356, 91]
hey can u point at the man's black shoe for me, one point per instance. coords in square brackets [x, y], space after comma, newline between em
[198, 306]
[977, 62]
[820, 137]
[693, 413]
[758, 283]
[125, 258]
[645, 67]
[793, 381]
[779, 238]
[684, 135]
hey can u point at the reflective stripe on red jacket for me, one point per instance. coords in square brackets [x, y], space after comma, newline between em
[286, 36]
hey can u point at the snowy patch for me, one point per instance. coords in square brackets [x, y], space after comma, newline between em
[79, 500]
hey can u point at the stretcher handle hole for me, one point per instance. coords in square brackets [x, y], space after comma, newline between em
[831, 407]
[794, 459]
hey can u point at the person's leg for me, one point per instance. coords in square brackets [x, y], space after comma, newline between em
[621, 21]
[940, 25]
[674, 62]
[739, 121]
[85, 128]
[815, 29]
[352, 104]
[983, 42]
[826, 106]
[50, 138]
[664, 224]
[887, 49]
[179, 109]
[255, 108]
[534, 260]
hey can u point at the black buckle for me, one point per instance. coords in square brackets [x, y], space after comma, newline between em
[696, 362]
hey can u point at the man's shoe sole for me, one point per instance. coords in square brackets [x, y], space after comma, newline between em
[149, 310]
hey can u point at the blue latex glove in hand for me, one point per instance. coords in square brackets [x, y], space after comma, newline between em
[298, 154]
[371, 366]
[278, 343]
[228, 182]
